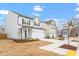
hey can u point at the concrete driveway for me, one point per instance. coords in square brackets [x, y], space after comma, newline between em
[51, 40]
[55, 46]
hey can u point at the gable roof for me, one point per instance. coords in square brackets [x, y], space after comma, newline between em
[22, 15]
[48, 21]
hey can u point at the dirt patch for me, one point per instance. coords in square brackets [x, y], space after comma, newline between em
[12, 48]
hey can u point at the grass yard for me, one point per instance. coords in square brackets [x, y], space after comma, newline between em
[11, 48]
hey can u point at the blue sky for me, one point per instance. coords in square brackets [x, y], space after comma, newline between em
[57, 11]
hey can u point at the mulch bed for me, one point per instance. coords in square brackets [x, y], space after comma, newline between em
[66, 46]
[23, 41]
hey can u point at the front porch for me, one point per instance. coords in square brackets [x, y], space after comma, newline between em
[25, 33]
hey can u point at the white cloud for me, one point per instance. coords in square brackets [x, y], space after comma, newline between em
[47, 19]
[77, 4]
[77, 16]
[35, 14]
[52, 19]
[5, 12]
[62, 19]
[38, 8]
[56, 20]
[77, 9]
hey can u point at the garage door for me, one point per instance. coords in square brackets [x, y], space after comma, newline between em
[37, 33]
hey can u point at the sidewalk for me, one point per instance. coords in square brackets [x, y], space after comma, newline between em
[55, 46]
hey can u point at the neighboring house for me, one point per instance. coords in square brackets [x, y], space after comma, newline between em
[71, 28]
[18, 26]
[50, 27]
[2, 33]
[64, 30]
[2, 29]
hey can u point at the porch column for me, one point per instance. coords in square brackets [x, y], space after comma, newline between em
[27, 32]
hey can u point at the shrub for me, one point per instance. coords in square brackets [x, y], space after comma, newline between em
[27, 40]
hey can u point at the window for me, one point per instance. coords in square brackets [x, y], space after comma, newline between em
[23, 21]
[26, 21]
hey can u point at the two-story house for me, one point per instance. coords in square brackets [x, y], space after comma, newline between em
[18, 26]
[50, 28]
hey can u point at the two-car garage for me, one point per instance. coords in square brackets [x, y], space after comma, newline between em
[38, 33]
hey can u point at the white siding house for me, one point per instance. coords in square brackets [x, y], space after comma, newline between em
[50, 27]
[18, 26]
[21, 27]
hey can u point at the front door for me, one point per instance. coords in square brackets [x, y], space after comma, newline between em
[25, 34]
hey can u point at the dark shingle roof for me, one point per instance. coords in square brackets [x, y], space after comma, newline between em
[48, 21]
[22, 15]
